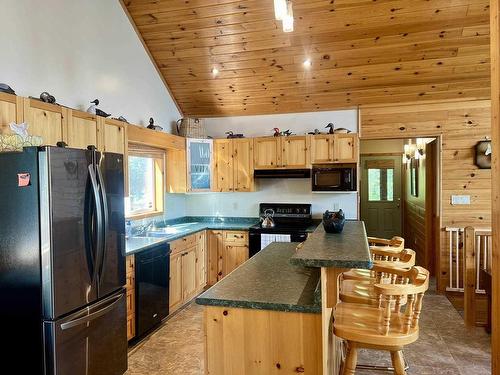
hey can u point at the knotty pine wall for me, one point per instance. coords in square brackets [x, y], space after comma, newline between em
[460, 125]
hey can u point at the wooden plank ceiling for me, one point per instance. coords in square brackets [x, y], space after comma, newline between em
[362, 52]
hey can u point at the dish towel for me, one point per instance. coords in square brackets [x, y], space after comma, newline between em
[266, 239]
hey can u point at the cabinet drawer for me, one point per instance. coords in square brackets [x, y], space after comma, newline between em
[130, 302]
[129, 265]
[130, 281]
[130, 327]
[182, 243]
[236, 236]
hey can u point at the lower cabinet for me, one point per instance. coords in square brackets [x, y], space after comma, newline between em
[187, 269]
[130, 286]
[226, 250]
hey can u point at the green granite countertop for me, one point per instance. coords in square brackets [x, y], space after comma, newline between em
[173, 229]
[348, 249]
[268, 281]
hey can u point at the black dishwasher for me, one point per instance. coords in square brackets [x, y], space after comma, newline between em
[152, 272]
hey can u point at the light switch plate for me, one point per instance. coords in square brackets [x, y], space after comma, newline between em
[460, 199]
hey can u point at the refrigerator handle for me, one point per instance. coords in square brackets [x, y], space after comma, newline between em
[97, 198]
[104, 201]
[92, 316]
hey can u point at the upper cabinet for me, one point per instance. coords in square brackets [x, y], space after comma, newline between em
[267, 152]
[233, 165]
[49, 121]
[334, 148]
[199, 154]
[295, 152]
[82, 129]
[112, 136]
[11, 110]
[281, 152]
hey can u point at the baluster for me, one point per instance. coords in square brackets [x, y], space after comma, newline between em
[409, 313]
[387, 315]
[418, 309]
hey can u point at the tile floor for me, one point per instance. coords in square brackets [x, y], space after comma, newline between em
[444, 347]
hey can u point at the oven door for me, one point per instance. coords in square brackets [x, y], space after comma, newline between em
[259, 240]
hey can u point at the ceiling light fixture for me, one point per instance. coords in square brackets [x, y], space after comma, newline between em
[307, 63]
[288, 18]
[280, 7]
[215, 71]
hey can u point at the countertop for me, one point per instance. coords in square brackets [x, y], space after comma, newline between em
[348, 249]
[173, 229]
[268, 281]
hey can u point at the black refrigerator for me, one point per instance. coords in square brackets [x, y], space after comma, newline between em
[62, 262]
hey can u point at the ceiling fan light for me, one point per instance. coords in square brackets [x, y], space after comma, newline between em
[280, 9]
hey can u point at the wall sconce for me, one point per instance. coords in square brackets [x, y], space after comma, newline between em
[407, 154]
[420, 149]
[483, 154]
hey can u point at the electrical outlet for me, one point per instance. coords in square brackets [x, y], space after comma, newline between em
[460, 199]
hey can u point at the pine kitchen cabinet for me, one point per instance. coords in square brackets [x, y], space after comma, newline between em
[199, 155]
[82, 130]
[334, 148]
[48, 121]
[187, 269]
[227, 249]
[11, 110]
[233, 165]
[130, 287]
[281, 152]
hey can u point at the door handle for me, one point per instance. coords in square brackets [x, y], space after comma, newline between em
[93, 316]
[105, 220]
[97, 198]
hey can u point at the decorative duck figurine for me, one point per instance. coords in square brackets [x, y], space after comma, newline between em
[330, 128]
[277, 132]
[287, 133]
[96, 111]
[152, 125]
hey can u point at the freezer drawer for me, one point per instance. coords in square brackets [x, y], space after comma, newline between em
[92, 341]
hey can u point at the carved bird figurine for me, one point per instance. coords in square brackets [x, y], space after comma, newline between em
[331, 127]
[287, 133]
[152, 125]
[276, 132]
[96, 111]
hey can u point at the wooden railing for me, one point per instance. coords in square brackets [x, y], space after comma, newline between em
[477, 256]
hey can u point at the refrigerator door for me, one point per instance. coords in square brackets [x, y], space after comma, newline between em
[69, 218]
[111, 270]
[92, 341]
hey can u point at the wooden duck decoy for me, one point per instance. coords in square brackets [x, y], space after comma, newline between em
[152, 125]
[330, 128]
[276, 132]
[96, 111]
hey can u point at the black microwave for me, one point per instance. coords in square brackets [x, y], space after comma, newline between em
[341, 177]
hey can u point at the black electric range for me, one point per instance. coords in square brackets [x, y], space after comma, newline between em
[291, 223]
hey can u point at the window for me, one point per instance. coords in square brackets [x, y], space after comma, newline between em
[145, 178]
[380, 180]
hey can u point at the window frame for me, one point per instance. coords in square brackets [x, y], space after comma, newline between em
[159, 163]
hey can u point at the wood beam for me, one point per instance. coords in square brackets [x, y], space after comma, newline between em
[495, 135]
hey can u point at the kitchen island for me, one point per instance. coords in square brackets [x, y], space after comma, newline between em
[274, 312]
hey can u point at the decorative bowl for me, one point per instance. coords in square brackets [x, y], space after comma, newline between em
[333, 222]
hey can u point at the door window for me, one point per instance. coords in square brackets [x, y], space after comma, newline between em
[381, 184]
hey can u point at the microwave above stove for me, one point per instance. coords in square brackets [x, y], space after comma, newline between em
[340, 177]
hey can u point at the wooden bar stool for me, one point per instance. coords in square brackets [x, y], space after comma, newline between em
[384, 257]
[364, 292]
[384, 327]
[395, 241]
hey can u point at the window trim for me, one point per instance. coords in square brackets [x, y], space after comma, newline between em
[159, 160]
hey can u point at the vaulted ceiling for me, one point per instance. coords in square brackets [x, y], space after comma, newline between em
[362, 52]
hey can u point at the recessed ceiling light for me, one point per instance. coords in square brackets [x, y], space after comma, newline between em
[215, 71]
[307, 63]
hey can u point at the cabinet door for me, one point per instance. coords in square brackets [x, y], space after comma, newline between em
[175, 286]
[201, 261]
[295, 152]
[215, 251]
[243, 164]
[113, 137]
[199, 154]
[189, 274]
[11, 110]
[82, 130]
[223, 154]
[346, 148]
[176, 172]
[234, 255]
[267, 152]
[45, 120]
[322, 148]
